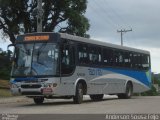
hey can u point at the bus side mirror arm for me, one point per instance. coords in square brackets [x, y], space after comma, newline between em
[10, 45]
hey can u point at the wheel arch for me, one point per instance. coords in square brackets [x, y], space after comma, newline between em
[83, 82]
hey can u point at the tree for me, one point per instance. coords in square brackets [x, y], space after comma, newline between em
[5, 64]
[152, 91]
[67, 14]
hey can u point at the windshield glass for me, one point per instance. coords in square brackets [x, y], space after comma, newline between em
[36, 59]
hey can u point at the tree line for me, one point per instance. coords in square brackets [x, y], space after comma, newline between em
[153, 91]
[5, 64]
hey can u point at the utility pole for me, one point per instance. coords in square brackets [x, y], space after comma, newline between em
[123, 31]
[39, 16]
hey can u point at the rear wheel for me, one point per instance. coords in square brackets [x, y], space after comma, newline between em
[78, 98]
[128, 93]
[97, 97]
[38, 100]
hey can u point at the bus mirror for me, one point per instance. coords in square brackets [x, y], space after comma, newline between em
[10, 51]
[10, 45]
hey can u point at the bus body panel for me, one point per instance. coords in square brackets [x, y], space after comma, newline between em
[102, 81]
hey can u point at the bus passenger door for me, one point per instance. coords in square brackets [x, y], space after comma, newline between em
[67, 68]
[67, 60]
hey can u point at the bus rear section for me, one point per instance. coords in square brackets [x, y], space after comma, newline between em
[113, 69]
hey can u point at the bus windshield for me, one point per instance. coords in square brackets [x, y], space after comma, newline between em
[36, 59]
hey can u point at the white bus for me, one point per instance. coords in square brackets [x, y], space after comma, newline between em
[58, 65]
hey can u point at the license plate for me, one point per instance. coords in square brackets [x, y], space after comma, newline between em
[47, 90]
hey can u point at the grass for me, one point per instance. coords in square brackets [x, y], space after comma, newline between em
[4, 89]
[4, 84]
[5, 93]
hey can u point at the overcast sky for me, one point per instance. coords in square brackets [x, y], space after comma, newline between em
[143, 16]
[108, 16]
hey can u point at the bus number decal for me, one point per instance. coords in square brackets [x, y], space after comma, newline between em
[97, 72]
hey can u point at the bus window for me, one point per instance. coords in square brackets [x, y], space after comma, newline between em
[68, 60]
[127, 60]
[108, 57]
[95, 55]
[145, 62]
[131, 59]
[82, 54]
[120, 59]
[137, 61]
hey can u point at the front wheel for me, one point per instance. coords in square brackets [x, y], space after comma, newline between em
[78, 98]
[38, 100]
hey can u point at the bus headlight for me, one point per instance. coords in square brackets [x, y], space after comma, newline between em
[48, 85]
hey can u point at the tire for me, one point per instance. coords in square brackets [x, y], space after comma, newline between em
[120, 96]
[78, 98]
[38, 100]
[97, 97]
[128, 93]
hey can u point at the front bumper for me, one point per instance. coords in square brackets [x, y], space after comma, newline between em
[32, 90]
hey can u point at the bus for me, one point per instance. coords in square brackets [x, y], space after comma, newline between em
[59, 65]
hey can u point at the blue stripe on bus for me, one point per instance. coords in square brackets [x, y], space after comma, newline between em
[143, 77]
[23, 79]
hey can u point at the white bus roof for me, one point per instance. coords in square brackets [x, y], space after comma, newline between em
[96, 42]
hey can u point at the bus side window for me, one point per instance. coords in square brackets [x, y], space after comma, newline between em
[95, 55]
[82, 54]
[120, 59]
[67, 59]
[115, 58]
[137, 61]
[134, 57]
[127, 60]
[145, 62]
[108, 57]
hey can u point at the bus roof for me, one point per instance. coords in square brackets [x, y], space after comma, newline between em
[96, 42]
[92, 41]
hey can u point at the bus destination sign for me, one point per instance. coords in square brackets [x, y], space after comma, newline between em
[36, 38]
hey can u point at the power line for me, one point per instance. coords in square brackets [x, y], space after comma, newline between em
[120, 19]
[110, 15]
[99, 16]
[105, 14]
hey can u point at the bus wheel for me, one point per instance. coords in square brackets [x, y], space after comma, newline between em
[97, 97]
[78, 98]
[128, 93]
[38, 100]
